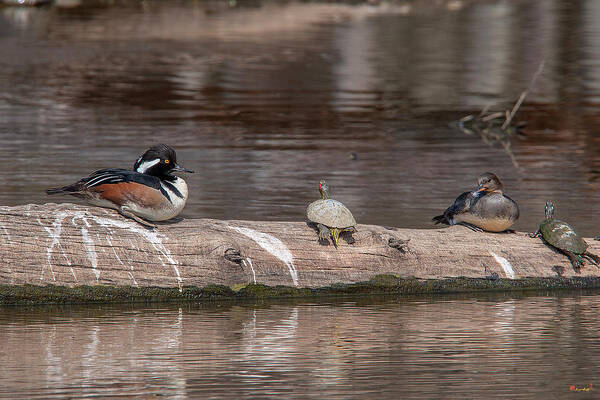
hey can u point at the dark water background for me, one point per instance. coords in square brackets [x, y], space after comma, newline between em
[263, 99]
[447, 347]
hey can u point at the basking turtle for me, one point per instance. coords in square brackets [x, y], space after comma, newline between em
[331, 216]
[563, 237]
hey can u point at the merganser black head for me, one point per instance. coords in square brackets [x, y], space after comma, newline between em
[158, 160]
[489, 182]
[324, 190]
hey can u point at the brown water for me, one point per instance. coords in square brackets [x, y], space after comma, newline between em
[454, 347]
[264, 98]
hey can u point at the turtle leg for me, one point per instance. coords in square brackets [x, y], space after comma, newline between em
[346, 233]
[535, 234]
[335, 234]
[471, 227]
[594, 259]
[576, 260]
[324, 233]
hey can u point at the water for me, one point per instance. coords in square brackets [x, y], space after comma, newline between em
[265, 98]
[455, 347]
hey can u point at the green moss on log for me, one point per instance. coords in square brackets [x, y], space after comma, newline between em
[380, 284]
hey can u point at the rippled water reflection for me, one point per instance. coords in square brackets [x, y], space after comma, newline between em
[265, 98]
[448, 347]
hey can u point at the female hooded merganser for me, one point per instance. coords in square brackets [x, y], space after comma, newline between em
[485, 208]
[149, 191]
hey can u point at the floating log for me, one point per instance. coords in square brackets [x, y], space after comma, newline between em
[72, 245]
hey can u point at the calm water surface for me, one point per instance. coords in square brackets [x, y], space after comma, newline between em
[264, 98]
[460, 347]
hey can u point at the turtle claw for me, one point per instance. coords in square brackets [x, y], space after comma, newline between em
[347, 236]
[323, 241]
[324, 234]
[576, 261]
[594, 259]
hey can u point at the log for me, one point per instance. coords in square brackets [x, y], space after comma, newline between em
[72, 245]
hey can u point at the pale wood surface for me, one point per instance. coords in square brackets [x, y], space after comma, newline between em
[74, 245]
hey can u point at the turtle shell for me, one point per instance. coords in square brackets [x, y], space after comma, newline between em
[330, 213]
[562, 235]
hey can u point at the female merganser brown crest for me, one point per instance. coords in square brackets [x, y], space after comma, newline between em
[485, 208]
[150, 191]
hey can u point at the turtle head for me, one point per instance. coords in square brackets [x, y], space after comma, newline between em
[489, 182]
[549, 210]
[323, 189]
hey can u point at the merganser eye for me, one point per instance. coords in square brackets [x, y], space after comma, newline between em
[167, 161]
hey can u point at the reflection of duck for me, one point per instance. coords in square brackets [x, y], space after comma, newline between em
[485, 208]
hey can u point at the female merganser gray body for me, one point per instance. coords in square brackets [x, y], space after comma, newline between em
[485, 208]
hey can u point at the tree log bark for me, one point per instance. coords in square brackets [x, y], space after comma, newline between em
[73, 245]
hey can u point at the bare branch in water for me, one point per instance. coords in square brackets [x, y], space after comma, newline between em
[490, 126]
[524, 94]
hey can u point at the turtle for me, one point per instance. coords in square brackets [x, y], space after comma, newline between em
[562, 236]
[331, 216]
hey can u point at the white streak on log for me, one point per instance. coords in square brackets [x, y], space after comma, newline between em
[54, 234]
[508, 269]
[112, 247]
[133, 279]
[251, 268]
[90, 247]
[273, 245]
[119, 258]
[152, 237]
[6, 233]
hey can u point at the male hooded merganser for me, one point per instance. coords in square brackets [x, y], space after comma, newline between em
[150, 191]
[485, 208]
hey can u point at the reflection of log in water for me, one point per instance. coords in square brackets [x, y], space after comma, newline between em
[73, 246]
[497, 127]
[232, 350]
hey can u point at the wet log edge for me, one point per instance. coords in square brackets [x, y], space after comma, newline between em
[72, 254]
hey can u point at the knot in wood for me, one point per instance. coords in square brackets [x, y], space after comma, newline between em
[233, 255]
[398, 244]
